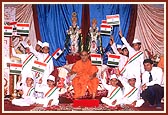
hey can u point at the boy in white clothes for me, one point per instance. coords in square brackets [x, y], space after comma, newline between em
[131, 93]
[38, 47]
[27, 61]
[27, 93]
[51, 93]
[44, 57]
[123, 56]
[114, 91]
[136, 58]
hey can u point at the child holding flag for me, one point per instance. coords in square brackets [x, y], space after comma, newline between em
[123, 56]
[45, 59]
[27, 60]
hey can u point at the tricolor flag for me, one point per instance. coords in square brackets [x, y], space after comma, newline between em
[96, 59]
[113, 19]
[14, 24]
[15, 68]
[23, 28]
[104, 22]
[39, 66]
[105, 29]
[113, 60]
[57, 53]
[8, 30]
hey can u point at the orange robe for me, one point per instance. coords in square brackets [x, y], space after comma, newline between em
[161, 62]
[84, 70]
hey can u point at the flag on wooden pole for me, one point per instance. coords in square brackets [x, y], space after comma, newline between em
[57, 53]
[15, 68]
[23, 28]
[39, 66]
[8, 30]
[113, 59]
[113, 19]
[96, 59]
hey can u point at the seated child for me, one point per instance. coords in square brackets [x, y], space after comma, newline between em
[51, 93]
[27, 93]
[114, 91]
[131, 95]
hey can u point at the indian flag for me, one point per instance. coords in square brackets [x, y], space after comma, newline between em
[113, 19]
[113, 60]
[15, 68]
[96, 59]
[104, 22]
[39, 66]
[13, 23]
[23, 28]
[8, 30]
[105, 29]
[57, 53]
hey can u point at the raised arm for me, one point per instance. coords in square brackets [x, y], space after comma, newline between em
[130, 49]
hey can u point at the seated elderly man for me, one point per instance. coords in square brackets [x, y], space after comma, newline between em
[85, 76]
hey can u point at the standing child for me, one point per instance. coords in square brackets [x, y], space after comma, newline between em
[136, 58]
[27, 61]
[114, 92]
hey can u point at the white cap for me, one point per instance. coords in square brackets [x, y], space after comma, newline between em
[119, 46]
[45, 44]
[51, 77]
[130, 76]
[30, 75]
[135, 41]
[40, 43]
[113, 76]
[124, 46]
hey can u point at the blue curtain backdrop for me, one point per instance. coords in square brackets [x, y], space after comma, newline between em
[55, 19]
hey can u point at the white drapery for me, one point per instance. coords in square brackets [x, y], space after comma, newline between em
[150, 28]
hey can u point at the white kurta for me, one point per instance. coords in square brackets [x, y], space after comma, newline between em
[112, 95]
[27, 97]
[49, 68]
[48, 95]
[27, 68]
[131, 94]
[123, 59]
[137, 67]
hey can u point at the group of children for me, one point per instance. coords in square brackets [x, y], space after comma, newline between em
[32, 86]
[41, 89]
[46, 96]
[134, 73]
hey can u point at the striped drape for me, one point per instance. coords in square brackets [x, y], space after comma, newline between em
[150, 28]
